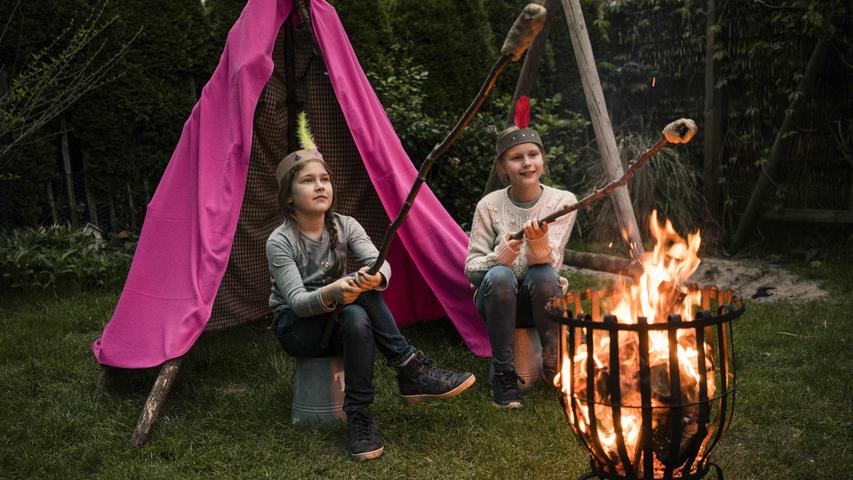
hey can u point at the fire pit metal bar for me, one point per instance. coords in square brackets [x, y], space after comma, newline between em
[590, 395]
[724, 381]
[675, 394]
[616, 396]
[646, 396]
[704, 404]
[574, 342]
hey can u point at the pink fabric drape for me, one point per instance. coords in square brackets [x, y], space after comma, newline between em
[190, 223]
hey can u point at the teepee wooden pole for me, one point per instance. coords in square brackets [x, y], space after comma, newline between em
[601, 124]
[155, 401]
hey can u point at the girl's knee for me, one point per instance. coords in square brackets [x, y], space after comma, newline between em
[354, 321]
[500, 281]
[500, 276]
[543, 273]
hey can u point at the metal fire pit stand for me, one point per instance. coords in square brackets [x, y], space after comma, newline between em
[675, 461]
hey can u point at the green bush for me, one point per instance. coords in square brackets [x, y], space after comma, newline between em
[59, 257]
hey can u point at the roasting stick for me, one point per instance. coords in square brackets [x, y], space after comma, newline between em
[525, 28]
[679, 131]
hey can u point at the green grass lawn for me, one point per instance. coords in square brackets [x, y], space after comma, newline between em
[228, 414]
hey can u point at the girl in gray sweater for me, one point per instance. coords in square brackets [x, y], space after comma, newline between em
[516, 278]
[307, 256]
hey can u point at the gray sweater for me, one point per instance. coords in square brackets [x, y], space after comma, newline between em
[496, 215]
[298, 265]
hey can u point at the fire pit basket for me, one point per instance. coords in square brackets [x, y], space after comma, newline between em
[661, 413]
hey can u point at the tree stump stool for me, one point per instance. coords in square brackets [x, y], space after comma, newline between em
[318, 391]
[527, 350]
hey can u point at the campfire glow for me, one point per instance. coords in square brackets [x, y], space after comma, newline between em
[661, 295]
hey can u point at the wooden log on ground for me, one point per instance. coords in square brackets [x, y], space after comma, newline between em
[154, 404]
[601, 263]
[601, 123]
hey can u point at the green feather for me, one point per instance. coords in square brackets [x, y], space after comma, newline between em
[304, 133]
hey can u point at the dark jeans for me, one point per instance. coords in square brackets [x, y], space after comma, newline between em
[360, 326]
[506, 303]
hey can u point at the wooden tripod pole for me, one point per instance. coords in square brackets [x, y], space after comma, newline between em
[601, 124]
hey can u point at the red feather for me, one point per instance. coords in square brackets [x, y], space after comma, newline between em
[522, 112]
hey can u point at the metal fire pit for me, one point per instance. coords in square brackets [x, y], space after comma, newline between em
[647, 421]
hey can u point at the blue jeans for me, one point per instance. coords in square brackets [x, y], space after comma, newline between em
[506, 303]
[360, 326]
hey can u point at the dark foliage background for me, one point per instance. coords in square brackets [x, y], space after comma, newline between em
[426, 60]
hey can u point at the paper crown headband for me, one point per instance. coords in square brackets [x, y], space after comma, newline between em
[308, 152]
[520, 132]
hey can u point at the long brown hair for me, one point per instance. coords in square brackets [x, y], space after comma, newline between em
[285, 188]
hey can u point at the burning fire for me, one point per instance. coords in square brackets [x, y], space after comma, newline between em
[658, 293]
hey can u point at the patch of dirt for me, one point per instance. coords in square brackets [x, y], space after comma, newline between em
[749, 278]
[760, 281]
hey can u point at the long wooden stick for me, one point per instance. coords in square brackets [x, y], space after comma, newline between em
[679, 131]
[526, 27]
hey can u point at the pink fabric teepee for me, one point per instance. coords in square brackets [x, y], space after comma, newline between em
[190, 223]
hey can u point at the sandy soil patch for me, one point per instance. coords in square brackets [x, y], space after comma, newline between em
[764, 281]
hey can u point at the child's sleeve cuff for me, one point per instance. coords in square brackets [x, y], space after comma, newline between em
[505, 254]
[539, 248]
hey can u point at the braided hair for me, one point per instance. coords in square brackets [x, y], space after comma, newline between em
[285, 188]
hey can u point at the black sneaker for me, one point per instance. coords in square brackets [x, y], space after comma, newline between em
[419, 381]
[505, 391]
[365, 441]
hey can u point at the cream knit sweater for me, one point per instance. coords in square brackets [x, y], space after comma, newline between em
[496, 215]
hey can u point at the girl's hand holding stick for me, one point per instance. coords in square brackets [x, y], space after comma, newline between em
[342, 291]
[366, 281]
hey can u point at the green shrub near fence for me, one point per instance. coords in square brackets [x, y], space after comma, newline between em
[56, 257]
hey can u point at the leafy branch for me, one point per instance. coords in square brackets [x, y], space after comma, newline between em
[49, 84]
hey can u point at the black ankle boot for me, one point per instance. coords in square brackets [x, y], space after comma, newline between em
[505, 391]
[420, 382]
[365, 441]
